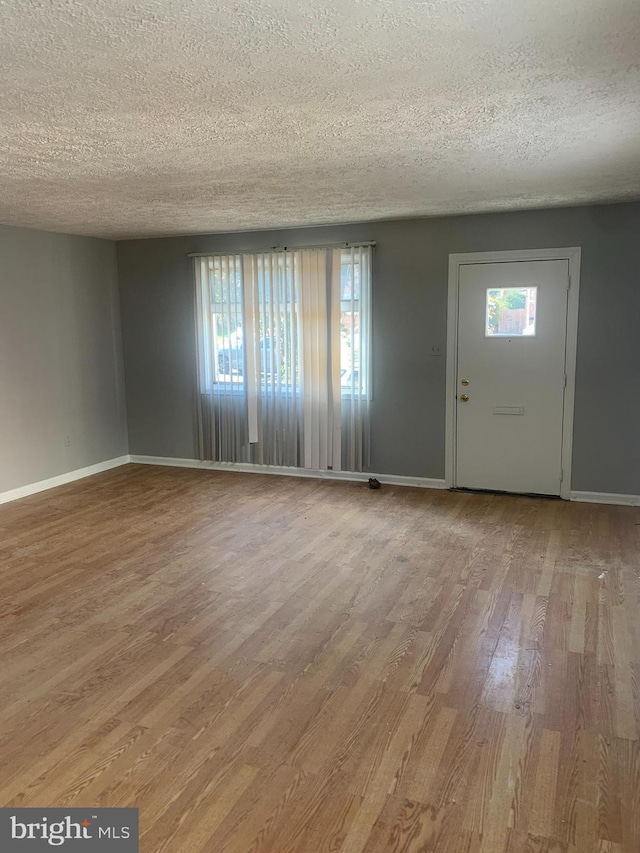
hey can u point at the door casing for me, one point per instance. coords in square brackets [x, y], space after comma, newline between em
[572, 255]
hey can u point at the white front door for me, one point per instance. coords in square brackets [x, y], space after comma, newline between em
[512, 330]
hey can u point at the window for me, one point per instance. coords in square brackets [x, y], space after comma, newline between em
[227, 318]
[277, 352]
[351, 339]
[268, 340]
[511, 312]
[284, 355]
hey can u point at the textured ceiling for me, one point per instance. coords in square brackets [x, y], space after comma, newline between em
[123, 119]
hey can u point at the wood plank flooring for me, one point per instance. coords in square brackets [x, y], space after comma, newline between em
[279, 665]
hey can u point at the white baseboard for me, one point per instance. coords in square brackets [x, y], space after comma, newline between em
[61, 479]
[605, 498]
[248, 468]
[169, 461]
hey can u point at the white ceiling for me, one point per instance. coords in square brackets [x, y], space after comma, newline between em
[122, 119]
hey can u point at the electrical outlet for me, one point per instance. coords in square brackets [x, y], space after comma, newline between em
[435, 350]
[67, 441]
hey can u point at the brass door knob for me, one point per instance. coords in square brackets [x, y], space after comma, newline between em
[464, 398]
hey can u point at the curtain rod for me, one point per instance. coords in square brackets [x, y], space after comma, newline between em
[358, 245]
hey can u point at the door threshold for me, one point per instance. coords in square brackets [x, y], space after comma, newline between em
[501, 492]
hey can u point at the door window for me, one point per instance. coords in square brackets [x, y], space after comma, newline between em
[510, 312]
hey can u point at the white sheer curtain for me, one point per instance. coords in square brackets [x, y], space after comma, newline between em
[272, 300]
[222, 398]
[284, 357]
[355, 307]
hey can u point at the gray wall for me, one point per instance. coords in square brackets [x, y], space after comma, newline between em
[410, 298]
[60, 355]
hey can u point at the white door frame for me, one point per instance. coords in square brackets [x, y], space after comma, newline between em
[572, 255]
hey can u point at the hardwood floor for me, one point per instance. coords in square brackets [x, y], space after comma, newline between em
[278, 665]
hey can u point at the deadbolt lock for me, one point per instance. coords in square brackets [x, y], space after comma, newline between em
[464, 398]
[464, 381]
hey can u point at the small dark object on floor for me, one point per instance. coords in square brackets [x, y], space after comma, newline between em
[373, 483]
